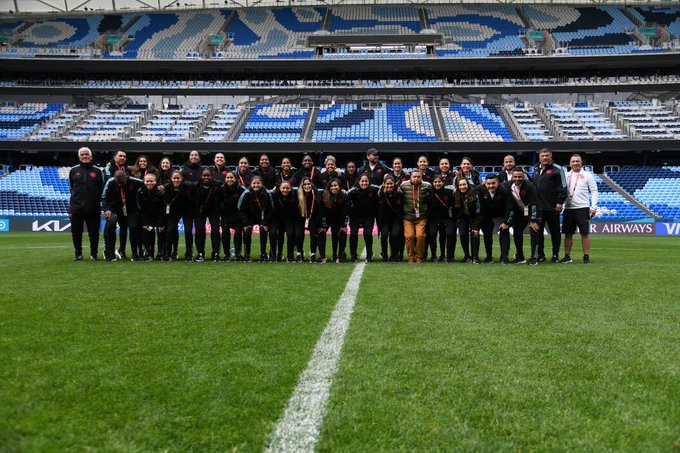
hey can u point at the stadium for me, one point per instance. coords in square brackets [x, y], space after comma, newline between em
[357, 356]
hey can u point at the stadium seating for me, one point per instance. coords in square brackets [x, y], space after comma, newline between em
[529, 122]
[646, 119]
[374, 20]
[474, 123]
[220, 126]
[107, 123]
[72, 33]
[274, 123]
[144, 29]
[580, 121]
[613, 207]
[655, 187]
[660, 15]
[478, 31]
[586, 31]
[173, 123]
[17, 122]
[38, 191]
[272, 33]
[182, 35]
[386, 122]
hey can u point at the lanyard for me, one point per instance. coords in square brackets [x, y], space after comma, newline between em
[259, 205]
[387, 200]
[240, 178]
[311, 210]
[122, 195]
[175, 197]
[578, 175]
[416, 201]
[515, 192]
[312, 174]
[440, 200]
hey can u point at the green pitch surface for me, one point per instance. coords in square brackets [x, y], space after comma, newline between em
[438, 357]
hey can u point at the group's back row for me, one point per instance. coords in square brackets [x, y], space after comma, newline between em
[272, 176]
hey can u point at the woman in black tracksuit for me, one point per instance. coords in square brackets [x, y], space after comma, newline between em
[164, 173]
[287, 221]
[309, 205]
[398, 173]
[391, 214]
[441, 220]
[180, 204]
[349, 178]
[151, 207]
[286, 173]
[255, 208]
[335, 210]
[363, 201]
[243, 174]
[208, 197]
[230, 218]
[468, 215]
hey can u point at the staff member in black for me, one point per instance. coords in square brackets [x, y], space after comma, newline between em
[468, 215]
[551, 191]
[505, 176]
[287, 221]
[117, 163]
[151, 207]
[330, 172]
[180, 204]
[266, 172]
[255, 207]
[309, 204]
[375, 170]
[336, 211]
[391, 214]
[164, 171]
[208, 198]
[86, 183]
[349, 178]
[192, 169]
[363, 201]
[164, 174]
[441, 220]
[119, 202]
[497, 213]
[309, 170]
[526, 213]
[398, 174]
[230, 219]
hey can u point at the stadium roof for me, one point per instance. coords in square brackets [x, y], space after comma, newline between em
[89, 6]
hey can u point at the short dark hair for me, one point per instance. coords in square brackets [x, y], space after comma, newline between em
[492, 176]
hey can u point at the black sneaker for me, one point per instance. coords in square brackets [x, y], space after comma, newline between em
[476, 261]
[322, 260]
[433, 259]
[519, 261]
[384, 258]
[78, 258]
[148, 258]
[488, 260]
[165, 258]
[247, 259]
[199, 258]
[120, 254]
[158, 257]
[555, 259]
[312, 258]
[541, 259]
[353, 259]
[566, 260]
[505, 261]
[135, 258]
[264, 259]
[110, 259]
[533, 262]
[441, 259]
[188, 259]
[215, 257]
[586, 259]
[226, 258]
[369, 258]
[94, 257]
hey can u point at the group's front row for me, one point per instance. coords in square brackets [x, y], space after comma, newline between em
[431, 213]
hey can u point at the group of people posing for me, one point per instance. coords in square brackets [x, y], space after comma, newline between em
[424, 211]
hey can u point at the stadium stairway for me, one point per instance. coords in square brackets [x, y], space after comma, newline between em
[617, 188]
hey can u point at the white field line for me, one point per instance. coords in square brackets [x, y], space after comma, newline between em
[299, 428]
[35, 247]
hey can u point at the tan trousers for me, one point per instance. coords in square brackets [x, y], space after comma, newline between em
[414, 231]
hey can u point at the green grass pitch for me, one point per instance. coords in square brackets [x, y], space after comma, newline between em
[137, 357]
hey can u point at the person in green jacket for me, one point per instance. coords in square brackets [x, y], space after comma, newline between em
[416, 193]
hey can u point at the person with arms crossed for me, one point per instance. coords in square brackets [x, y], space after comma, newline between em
[581, 206]
[416, 193]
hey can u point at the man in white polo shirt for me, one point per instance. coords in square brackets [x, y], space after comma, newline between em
[580, 207]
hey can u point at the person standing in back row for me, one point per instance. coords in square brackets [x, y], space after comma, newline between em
[375, 170]
[551, 192]
[581, 206]
[86, 183]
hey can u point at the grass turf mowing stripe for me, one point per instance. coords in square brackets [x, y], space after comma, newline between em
[298, 430]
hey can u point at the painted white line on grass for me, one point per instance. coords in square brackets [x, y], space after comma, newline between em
[299, 428]
[35, 247]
